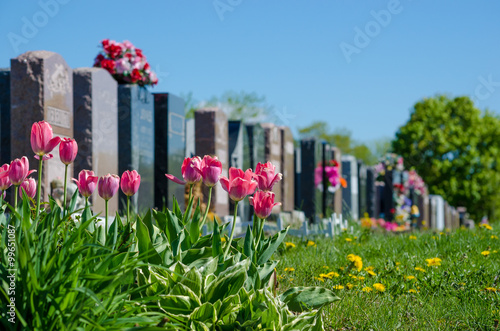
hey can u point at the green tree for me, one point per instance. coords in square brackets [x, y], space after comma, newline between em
[455, 148]
[340, 138]
[237, 105]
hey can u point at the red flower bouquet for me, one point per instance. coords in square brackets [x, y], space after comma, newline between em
[125, 63]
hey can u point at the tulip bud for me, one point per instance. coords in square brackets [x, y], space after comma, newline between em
[108, 186]
[29, 186]
[239, 184]
[130, 182]
[4, 177]
[86, 182]
[263, 203]
[266, 179]
[211, 168]
[19, 170]
[68, 148]
[42, 141]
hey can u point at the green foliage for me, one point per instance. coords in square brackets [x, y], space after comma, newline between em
[456, 150]
[341, 138]
[71, 274]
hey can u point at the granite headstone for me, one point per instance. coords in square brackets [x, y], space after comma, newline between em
[136, 141]
[350, 193]
[95, 102]
[371, 194]
[5, 116]
[41, 85]
[288, 170]
[256, 143]
[211, 133]
[170, 148]
[239, 157]
[272, 150]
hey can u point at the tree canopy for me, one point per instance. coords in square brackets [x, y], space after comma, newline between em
[456, 149]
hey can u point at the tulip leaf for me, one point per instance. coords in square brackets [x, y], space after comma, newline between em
[144, 244]
[113, 232]
[299, 299]
[187, 214]
[26, 209]
[72, 203]
[194, 225]
[248, 248]
[173, 227]
[176, 209]
[266, 270]
[271, 246]
[253, 281]
[216, 241]
[161, 220]
[229, 282]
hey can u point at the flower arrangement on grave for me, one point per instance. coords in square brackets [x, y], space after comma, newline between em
[332, 172]
[388, 162]
[125, 63]
[416, 182]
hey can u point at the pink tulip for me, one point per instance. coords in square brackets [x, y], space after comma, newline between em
[130, 182]
[19, 170]
[240, 184]
[42, 141]
[29, 186]
[108, 186]
[4, 177]
[190, 171]
[211, 168]
[265, 176]
[68, 150]
[263, 203]
[86, 182]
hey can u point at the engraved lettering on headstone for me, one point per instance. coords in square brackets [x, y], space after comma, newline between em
[146, 115]
[59, 117]
[59, 80]
[176, 124]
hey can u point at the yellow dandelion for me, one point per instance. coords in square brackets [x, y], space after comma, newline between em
[420, 269]
[342, 268]
[358, 262]
[495, 251]
[326, 267]
[461, 284]
[485, 253]
[289, 269]
[310, 243]
[370, 268]
[338, 287]
[412, 291]
[289, 245]
[434, 237]
[412, 237]
[371, 273]
[486, 226]
[361, 278]
[319, 278]
[332, 274]
[223, 239]
[326, 276]
[348, 239]
[398, 263]
[494, 237]
[436, 261]
[355, 237]
[379, 287]
[349, 285]
[291, 279]
[490, 289]
[441, 233]
[410, 277]
[353, 276]
[366, 289]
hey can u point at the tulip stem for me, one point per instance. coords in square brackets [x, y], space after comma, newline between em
[16, 188]
[190, 191]
[261, 228]
[106, 220]
[208, 207]
[64, 195]
[128, 209]
[232, 230]
[39, 187]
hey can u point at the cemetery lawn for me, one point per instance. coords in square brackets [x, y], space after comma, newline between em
[460, 290]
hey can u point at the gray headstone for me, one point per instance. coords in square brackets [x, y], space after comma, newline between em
[41, 89]
[211, 133]
[239, 157]
[190, 141]
[371, 194]
[136, 142]
[5, 116]
[362, 176]
[170, 148]
[337, 156]
[350, 193]
[95, 100]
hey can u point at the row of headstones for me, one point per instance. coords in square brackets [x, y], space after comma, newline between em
[122, 127]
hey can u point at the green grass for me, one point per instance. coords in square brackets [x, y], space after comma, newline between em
[451, 296]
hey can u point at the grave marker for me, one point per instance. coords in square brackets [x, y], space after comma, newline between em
[288, 169]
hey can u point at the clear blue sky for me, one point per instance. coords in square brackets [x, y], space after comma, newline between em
[288, 51]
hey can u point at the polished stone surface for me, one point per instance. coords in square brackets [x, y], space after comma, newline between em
[362, 203]
[211, 134]
[239, 157]
[170, 148]
[95, 100]
[371, 193]
[256, 142]
[288, 169]
[350, 193]
[5, 116]
[41, 89]
[136, 142]
[309, 197]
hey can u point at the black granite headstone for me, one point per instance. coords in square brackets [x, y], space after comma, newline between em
[239, 157]
[362, 175]
[388, 196]
[5, 116]
[136, 141]
[309, 200]
[170, 148]
[371, 193]
[256, 143]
